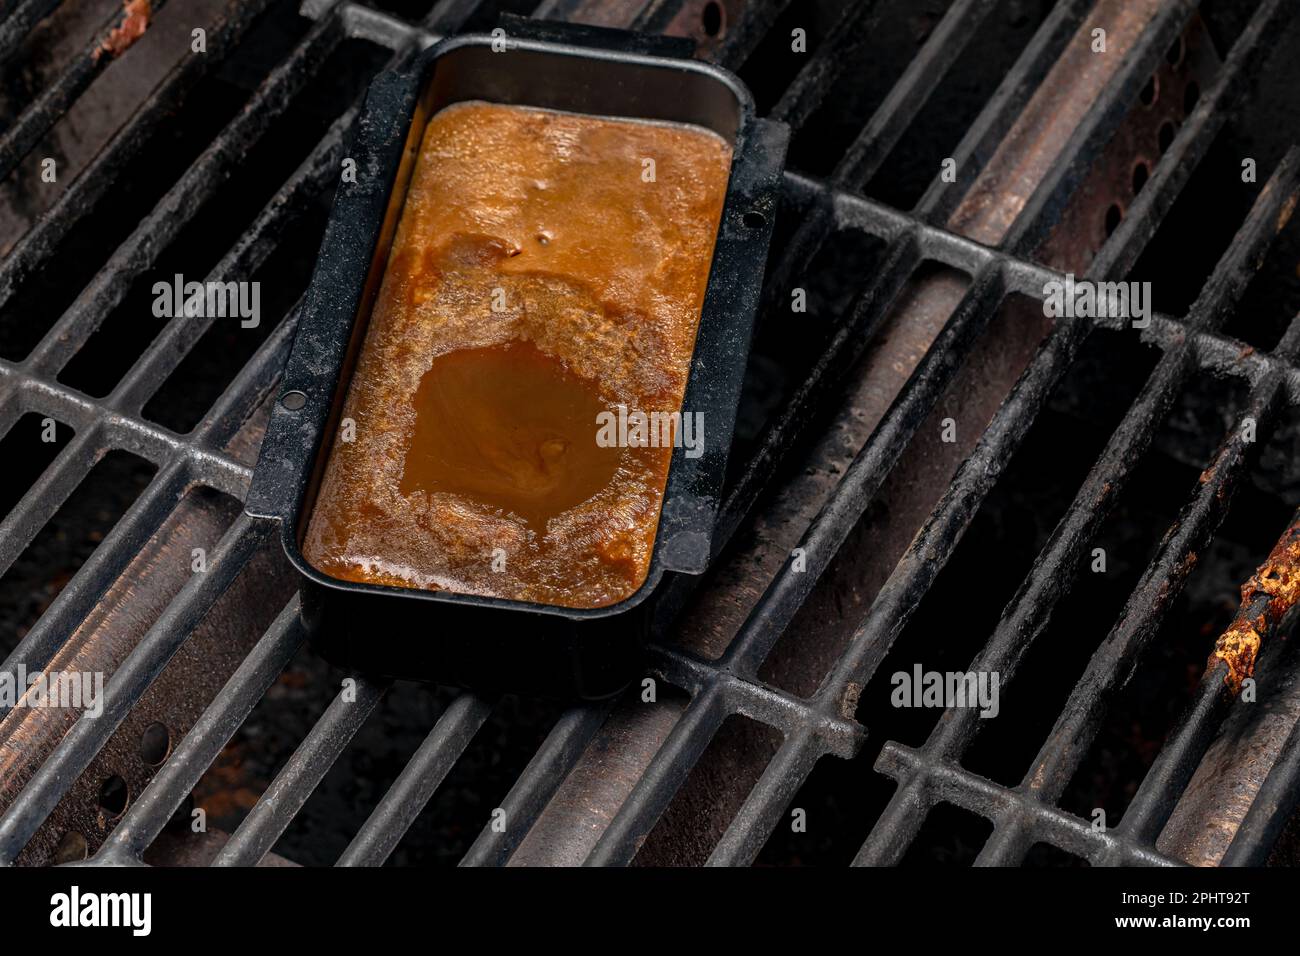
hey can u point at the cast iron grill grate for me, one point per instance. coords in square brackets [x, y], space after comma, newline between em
[819, 213]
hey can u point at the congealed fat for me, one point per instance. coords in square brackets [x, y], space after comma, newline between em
[547, 267]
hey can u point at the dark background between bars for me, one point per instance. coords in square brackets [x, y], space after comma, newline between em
[1110, 422]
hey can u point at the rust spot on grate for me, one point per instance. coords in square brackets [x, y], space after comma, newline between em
[135, 21]
[1272, 590]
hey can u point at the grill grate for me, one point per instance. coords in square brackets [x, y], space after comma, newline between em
[812, 728]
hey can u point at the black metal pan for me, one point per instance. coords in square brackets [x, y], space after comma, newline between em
[482, 642]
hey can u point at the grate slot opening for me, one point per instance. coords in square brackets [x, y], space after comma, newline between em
[935, 131]
[26, 454]
[901, 30]
[950, 836]
[363, 773]
[711, 795]
[49, 291]
[249, 761]
[841, 799]
[1144, 712]
[773, 66]
[829, 618]
[1099, 584]
[1212, 206]
[1046, 855]
[60, 548]
[202, 243]
[1272, 300]
[787, 343]
[226, 347]
[477, 784]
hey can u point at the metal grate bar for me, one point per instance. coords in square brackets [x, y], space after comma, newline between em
[763, 809]
[1000, 114]
[53, 102]
[907, 97]
[42, 240]
[183, 201]
[776, 707]
[1117, 656]
[1044, 207]
[1173, 768]
[538, 784]
[842, 45]
[422, 775]
[790, 589]
[667, 771]
[89, 734]
[866, 315]
[112, 556]
[955, 729]
[44, 499]
[176, 339]
[878, 138]
[1271, 809]
[20, 23]
[1026, 617]
[250, 386]
[273, 813]
[201, 745]
[950, 783]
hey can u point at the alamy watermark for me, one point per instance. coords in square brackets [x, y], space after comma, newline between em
[79, 690]
[638, 429]
[133, 911]
[922, 688]
[1086, 299]
[217, 300]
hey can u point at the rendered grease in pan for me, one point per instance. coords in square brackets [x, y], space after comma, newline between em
[547, 267]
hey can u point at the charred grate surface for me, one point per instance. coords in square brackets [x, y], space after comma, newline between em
[824, 211]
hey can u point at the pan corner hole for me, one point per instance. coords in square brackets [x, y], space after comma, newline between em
[754, 220]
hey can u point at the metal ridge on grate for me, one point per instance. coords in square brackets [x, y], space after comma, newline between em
[812, 728]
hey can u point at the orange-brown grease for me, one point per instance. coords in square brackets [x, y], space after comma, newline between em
[475, 466]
